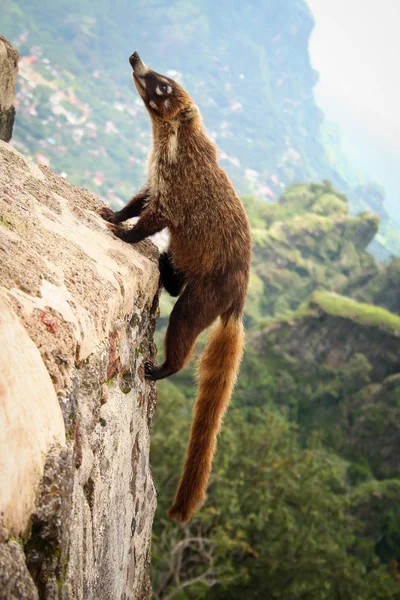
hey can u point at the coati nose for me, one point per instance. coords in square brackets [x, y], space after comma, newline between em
[138, 66]
[134, 58]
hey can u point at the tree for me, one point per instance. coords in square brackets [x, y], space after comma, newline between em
[275, 524]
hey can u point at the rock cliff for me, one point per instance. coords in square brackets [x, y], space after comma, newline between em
[8, 79]
[77, 315]
[381, 287]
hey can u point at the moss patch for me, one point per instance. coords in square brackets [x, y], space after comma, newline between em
[366, 314]
[13, 223]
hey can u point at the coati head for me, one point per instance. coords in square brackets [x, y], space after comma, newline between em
[163, 97]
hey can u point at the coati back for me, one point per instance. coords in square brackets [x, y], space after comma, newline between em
[207, 263]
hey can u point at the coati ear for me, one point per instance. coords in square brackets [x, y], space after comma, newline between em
[189, 112]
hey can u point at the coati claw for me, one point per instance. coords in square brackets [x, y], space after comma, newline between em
[148, 370]
[155, 372]
[106, 213]
[117, 230]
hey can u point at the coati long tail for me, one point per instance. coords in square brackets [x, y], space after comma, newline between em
[218, 370]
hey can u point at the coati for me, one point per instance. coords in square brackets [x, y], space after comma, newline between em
[207, 263]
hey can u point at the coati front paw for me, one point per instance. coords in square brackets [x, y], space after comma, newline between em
[106, 213]
[131, 236]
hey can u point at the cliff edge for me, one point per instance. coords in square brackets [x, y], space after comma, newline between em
[77, 314]
[8, 80]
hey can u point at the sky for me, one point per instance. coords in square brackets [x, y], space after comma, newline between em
[355, 47]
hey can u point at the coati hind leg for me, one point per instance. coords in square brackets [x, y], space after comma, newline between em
[194, 311]
[172, 279]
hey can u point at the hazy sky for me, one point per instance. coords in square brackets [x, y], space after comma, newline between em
[355, 47]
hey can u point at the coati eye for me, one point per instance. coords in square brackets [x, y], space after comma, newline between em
[163, 88]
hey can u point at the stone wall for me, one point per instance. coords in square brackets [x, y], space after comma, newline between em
[8, 79]
[77, 315]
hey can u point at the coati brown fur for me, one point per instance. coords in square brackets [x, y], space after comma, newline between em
[207, 263]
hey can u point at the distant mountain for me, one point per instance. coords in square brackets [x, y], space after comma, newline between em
[247, 66]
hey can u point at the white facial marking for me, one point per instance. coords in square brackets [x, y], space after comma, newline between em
[161, 92]
[167, 104]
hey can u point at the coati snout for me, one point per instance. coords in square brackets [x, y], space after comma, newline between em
[163, 96]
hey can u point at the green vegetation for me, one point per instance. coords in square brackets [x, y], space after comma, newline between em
[367, 314]
[306, 241]
[278, 519]
[304, 494]
[382, 288]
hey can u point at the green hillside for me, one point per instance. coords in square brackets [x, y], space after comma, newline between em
[314, 424]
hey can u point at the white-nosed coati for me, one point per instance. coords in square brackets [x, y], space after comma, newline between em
[207, 263]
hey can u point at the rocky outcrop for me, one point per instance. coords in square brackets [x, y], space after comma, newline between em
[380, 288]
[8, 79]
[77, 314]
[309, 241]
[335, 367]
[376, 413]
[332, 329]
[371, 197]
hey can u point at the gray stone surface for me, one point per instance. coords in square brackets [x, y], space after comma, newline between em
[15, 580]
[8, 78]
[88, 302]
